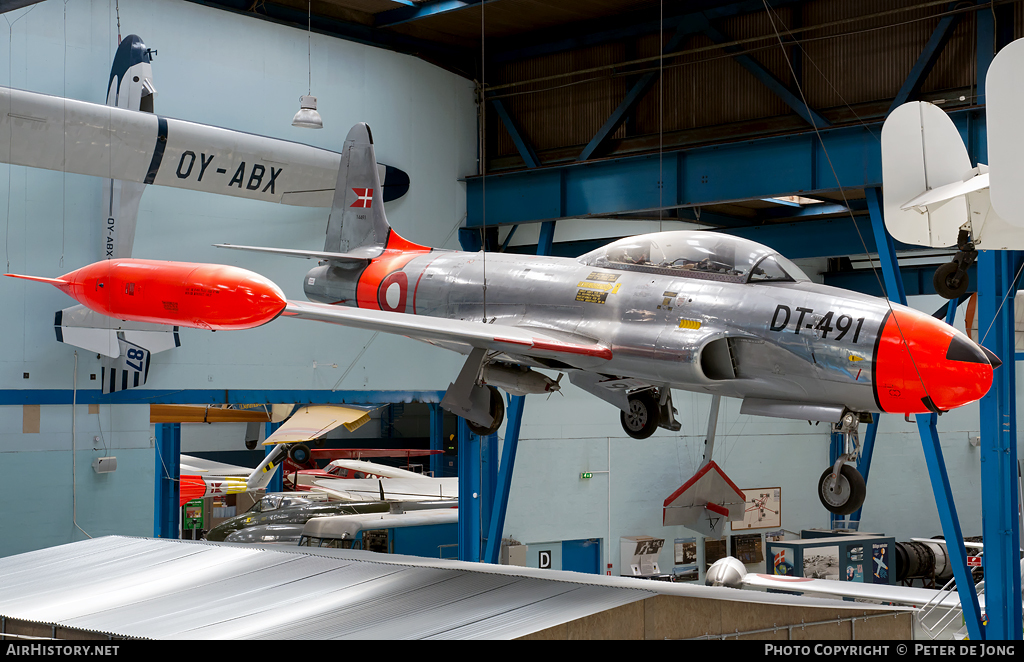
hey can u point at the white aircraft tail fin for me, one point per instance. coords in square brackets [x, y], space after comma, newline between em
[1004, 103]
[922, 151]
[705, 503]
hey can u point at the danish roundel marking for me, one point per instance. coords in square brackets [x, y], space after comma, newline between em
[393, 291]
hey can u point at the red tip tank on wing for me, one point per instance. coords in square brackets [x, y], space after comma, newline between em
[924, 365]
[202, 296]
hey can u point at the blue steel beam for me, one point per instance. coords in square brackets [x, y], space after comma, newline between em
[214, 397]
[436, 439]
[792, 164]
[503, 484]
[917, 279]
[951, 530]
[929, 55]
[766, 78]
[469, 494]
[166, 511]
[525, 148]
[999, 498]
[886, 251]
[417, 11]
[276, 483]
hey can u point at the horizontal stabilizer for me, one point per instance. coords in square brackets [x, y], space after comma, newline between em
[363, 254]
[923, 151]
[931, 200]
[98, 333]
[705, 502]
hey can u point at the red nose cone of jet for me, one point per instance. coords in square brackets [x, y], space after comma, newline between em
[924, 365]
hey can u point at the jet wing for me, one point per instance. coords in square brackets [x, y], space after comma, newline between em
[309, 423]
[435, 330]
[420, 488]
[67, 135]
[904, 595]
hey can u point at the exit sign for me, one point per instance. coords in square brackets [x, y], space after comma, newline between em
[586, 474]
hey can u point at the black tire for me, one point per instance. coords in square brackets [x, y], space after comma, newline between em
[497, 410]
[943, 281]
[643, 417]
[852, 495]
[299, 453]
[250, 444]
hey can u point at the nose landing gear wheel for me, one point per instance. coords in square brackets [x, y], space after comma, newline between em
[951, 281]
[643, 418]
[497, 410]
[848, 493]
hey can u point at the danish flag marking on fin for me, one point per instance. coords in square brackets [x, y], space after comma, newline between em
[365, 197]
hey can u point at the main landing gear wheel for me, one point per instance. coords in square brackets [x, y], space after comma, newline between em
[497, 411]
[643, 417]
[848, 493]
[950, 280]
[299, 453]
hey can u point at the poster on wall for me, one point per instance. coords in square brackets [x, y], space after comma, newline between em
[784, 561]
[747, 548]
[685, 569]
[713, 550]
[879, 561]
[822, 562]
[763, 509]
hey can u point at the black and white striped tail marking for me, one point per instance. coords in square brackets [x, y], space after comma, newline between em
[129, 370]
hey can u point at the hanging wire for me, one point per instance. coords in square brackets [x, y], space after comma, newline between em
[309, 45]
[483, 154]
[117, 10]
[842, 192]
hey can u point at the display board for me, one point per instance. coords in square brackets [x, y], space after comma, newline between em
[763, 509]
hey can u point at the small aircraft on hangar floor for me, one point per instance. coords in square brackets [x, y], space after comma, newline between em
[697, 311]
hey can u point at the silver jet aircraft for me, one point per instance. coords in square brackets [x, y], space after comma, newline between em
[629, 322]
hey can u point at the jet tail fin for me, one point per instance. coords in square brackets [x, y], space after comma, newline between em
[357, 215]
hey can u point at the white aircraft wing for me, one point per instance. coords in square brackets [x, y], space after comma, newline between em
[375, 469]
[67, 135]
[198, 465]
[904, 595]
[420, 488]
[509, 339]
[309, 423]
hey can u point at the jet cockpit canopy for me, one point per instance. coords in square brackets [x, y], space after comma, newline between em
[704, 255]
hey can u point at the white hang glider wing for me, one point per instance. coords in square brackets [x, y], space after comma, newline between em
[705, 503]
[420, 488]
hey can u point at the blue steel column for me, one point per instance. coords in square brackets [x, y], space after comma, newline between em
[469, 497]
[488, 479]
[929, 436]
[504, 479]
[1001, 560]
[276, 483]
[436, 439]
[167, 513]
[951, 529]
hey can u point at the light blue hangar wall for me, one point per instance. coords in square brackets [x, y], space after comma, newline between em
[224, 69]
[574, 432]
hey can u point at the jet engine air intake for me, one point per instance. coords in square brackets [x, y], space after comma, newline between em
[717, 360]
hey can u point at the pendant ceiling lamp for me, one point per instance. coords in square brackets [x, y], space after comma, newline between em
[307, 117]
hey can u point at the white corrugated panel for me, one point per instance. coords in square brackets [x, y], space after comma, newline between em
[167, 589]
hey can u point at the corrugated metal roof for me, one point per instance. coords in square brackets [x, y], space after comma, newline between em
[170, 589]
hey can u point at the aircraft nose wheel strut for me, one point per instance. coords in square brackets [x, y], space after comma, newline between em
[841, 487]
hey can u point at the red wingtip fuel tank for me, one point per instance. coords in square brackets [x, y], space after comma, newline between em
[937, 365]
[202, 296]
